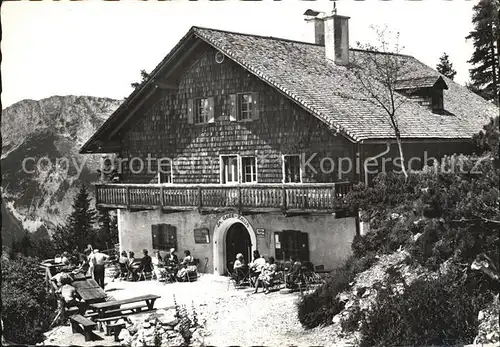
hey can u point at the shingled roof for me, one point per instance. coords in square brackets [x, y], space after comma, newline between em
[301, 71]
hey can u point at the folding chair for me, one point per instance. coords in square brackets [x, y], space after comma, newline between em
[243, 276]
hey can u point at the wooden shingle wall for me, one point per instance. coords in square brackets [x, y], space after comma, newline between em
[161, 129]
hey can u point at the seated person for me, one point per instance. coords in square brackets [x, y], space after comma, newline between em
[134, 265]
[240, 268]
[256, 266]
[267, 275]
[63, 275]
[146, 263]
[187, 266]
[294, 272]
[123, 263]
[171, 259]
[69, 294]
[158, 265]
[65, 258]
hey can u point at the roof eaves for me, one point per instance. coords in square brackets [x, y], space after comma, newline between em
[137, 92]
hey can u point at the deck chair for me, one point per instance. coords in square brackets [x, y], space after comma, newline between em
[124, 271]
[146, 273]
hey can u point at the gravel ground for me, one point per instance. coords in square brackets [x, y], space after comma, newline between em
[230, 316]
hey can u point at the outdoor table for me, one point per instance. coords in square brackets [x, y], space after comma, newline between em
[102, 307]
[89, 290]
[79, 276]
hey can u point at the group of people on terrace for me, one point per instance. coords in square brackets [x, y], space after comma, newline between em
[167, 266]
[262, 272]
[91, 261]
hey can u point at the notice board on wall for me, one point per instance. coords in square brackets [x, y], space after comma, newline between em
[201, 235]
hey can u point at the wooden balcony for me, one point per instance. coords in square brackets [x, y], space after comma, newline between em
[317, 197]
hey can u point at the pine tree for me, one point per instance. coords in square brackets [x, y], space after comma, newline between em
[79, 229]
[486, 40]
[107, 234]
[445, 67]
[144, 77]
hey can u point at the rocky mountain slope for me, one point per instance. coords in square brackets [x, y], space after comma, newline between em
[41, 166]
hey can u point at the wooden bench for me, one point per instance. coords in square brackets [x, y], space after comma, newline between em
[114, 329]
[86, 324]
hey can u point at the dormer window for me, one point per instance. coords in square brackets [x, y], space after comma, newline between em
[427, 91]
[437, 101]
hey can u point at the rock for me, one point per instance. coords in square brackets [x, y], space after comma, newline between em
[394, 216]
[169, 320]
[336, 319]
[480, 315]
[366, 293]
[343, 297]
[145, 325]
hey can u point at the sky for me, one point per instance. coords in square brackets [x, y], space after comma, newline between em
[98, 48]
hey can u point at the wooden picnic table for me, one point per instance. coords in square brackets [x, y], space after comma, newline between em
[103, 307]
[89, 290]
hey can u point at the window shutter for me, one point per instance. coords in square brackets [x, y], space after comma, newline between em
[155, 235]
[255, 106]
[233, 113]
[190, 111]
[211, 114]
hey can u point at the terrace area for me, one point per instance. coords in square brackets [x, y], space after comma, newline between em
[289, 198]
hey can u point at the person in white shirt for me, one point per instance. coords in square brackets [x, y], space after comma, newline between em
[99, 260]
[256, 266]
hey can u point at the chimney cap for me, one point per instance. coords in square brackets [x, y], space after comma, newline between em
[311, 13]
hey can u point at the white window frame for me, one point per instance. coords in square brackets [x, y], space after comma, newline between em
[197, 108]
[223, 180]
[171, 174]
[283, 156]
[255, 168]
[239, 104]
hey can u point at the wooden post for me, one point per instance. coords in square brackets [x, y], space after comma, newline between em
[200, 200]
[240, 203]
[283, 199]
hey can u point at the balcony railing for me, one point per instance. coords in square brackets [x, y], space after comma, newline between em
[255, 197]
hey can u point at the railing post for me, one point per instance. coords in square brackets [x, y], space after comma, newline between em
[283, 200]
[127, 198]
[97, 194]
[162, 203]
[240, 202]
[200, 200]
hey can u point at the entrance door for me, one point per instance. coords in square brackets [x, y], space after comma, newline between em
[237, 241]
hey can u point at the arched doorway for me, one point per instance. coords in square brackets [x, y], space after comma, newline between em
[221, 229]
[237, 241]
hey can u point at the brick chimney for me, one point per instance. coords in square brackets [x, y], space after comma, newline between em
[336, 38]
[332, 31]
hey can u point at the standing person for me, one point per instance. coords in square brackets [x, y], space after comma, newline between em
[99, 259]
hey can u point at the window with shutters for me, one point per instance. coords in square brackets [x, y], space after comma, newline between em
[245, 105]
[248, 170]
[164, 236]
[292, 172]
[201, 111]
[288, 243]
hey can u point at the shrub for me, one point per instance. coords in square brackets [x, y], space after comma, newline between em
[440, 312]
[322, 305]
[27, 307]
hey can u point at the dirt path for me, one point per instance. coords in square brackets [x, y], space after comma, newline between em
[230, 316]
